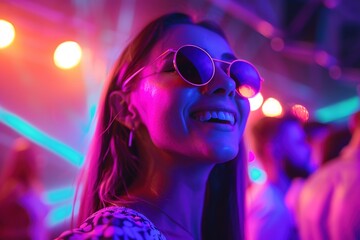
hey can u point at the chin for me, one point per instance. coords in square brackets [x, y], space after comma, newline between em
[224, 154]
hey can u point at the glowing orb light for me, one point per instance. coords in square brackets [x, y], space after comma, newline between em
[272, 107]
[300, 112]
[256, 101]
[67, 55]
[7, 33]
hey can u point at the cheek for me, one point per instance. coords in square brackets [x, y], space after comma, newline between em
[244, 110]
[162, 113]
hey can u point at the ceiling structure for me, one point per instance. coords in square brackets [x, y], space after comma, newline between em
[307, 51]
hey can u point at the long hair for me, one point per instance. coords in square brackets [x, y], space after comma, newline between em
[112, 166]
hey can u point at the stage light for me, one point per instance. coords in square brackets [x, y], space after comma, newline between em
[272, 108]
[41, 138]
[67, 55]
[61, 202]
[7, 33]
[59, 215]
[338, 110]
[300, 112]
[256, 101]
[59, 195]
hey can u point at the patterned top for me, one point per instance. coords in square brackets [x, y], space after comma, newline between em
[115, 223]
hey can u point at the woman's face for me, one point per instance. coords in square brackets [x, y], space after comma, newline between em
[176, 114]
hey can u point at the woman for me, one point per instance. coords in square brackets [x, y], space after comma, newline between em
[168, 143]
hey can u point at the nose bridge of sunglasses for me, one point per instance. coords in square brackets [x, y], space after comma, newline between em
[221, 77]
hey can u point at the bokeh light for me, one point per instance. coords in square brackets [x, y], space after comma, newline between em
[277, 44]
[256, 174]
[265, 28]
[300, 112]
[67, 55]
[272, 108]
[246, 91]
[335, 72]
[256, 101]
[7, 33]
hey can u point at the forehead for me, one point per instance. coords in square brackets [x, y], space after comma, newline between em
[185, 34]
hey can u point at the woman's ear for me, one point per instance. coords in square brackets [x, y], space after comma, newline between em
[124, 112]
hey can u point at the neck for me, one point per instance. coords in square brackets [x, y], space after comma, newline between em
[175, 196]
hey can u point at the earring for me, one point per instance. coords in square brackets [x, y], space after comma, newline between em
[131, 134]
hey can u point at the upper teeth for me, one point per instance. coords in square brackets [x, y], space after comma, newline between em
[221, 115]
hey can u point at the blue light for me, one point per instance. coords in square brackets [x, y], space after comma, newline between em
[32, 133]
[256, 174]
[61, 201]
[59, 215]
[338, 110]
[57, 196]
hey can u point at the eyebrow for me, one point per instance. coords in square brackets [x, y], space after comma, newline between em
[225, 56]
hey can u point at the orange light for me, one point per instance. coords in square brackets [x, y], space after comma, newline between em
[272, 108]
[7, 33]
[246, 91]
[300, 112]
[67, 55]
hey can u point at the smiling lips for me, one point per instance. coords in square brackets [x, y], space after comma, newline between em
[215, 116]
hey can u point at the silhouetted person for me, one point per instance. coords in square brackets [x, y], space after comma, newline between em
[282, 149]
[333, 144]
[21, 208]
[329, 206]
[316, 133]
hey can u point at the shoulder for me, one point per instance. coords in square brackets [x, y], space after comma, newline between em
[334, 173]
[115, 222]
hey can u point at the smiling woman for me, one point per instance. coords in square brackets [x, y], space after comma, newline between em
[167, 159]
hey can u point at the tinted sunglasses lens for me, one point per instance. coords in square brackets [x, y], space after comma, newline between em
[194, 65]
[247, 78]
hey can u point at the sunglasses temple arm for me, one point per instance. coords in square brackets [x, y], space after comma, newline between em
[138, 71]
[131, 77]
[222, 61]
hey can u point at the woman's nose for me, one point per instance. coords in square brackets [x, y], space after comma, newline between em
[221, 84]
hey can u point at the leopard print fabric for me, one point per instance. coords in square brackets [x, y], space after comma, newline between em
[115, 223]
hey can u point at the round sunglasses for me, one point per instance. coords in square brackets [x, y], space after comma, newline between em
[196, 67]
